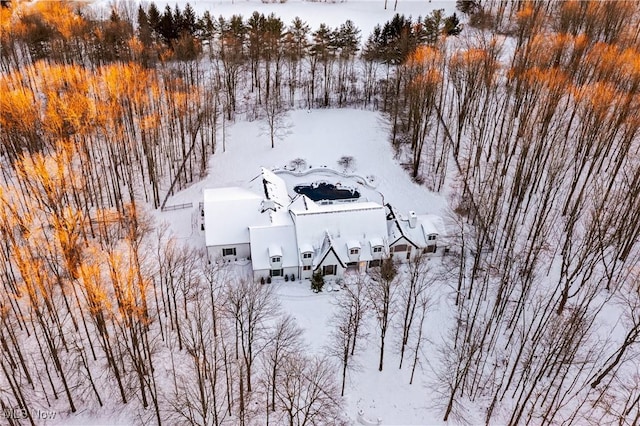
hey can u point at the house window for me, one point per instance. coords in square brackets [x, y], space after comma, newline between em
[275, 272]
[377, 249]
[229, 251]
[354, 251]
[306, 268]
[430, 249]
[329, 270]
[306, 255]
[276, 259]
[431, 237]
[400, 247]
[374, 263]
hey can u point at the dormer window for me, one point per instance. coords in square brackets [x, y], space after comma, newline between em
[431, 237]
[377, 249]
[306, 253]
[275, 254]
[353, 247]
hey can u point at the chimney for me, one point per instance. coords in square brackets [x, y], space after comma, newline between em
[413, 219]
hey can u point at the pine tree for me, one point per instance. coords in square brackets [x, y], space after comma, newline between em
[154, 18]
[317, 281]
[452, 25]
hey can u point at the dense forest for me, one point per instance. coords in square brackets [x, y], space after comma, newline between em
[528, 117]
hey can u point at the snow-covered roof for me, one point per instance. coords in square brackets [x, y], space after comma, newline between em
[275, 188]
[299, 203]
[274, 249]
[303, 205]
[425, 225]
[351, 244]
[306, 248]
[267, 241]
[339, 226]
[228, 212]
[376, 242]
[428, 227]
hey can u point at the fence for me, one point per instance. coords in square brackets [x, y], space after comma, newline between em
[177, 207]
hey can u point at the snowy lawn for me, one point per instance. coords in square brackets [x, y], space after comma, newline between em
[320, 137]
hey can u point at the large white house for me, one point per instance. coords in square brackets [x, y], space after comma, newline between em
[296, 236]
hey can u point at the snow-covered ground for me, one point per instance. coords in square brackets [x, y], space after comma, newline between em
[321, 137]
[384, 395]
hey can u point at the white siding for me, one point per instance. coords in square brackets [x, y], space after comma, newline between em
[331, 259]
[243, 251]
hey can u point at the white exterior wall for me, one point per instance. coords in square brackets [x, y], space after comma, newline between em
[331, 259]
[306, 274]
[243, 251]
[264, 273]
[402, 256]
[354, 257]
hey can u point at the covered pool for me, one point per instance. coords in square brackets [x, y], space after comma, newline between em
[326, 191]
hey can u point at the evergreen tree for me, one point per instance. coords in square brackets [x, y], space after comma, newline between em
[394, 42]
[468, 7]
[371, 49]
[166, 26]
[433, 26]
[299, 31]
[115, 34]
[317, 281]
[205, 28]
[189, 20]
[144, 28]
[452, 25]
[154, 18]
[347, 39]
[178, 22]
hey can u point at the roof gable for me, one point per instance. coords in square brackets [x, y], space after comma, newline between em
[330, 250]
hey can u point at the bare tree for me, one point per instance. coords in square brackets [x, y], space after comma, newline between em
[275, 116]
[308, 392]
[249, 306]
[411, 292]
[422, 305]
[346, 162]
[381, 290]
[284, 340]
[347, 322]
[630, 302]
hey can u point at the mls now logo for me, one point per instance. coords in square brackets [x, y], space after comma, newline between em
[14, 413]
[21, 413]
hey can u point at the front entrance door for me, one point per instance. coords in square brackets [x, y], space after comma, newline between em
[276, 272]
